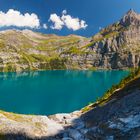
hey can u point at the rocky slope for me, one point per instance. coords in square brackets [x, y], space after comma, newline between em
[27, 50]
[114, 47]
[117, 46]
[114, 117]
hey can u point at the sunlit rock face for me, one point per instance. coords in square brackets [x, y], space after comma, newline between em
[117, 46]
[131, 18]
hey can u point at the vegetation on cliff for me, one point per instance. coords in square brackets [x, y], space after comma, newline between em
[134, 74]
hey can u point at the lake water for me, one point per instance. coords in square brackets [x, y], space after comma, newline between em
[51, 92]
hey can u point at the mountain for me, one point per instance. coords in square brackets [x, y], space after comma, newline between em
[117, 46]
[28, 50]
[114, 47]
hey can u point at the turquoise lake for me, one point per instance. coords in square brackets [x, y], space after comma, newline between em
[51, 92]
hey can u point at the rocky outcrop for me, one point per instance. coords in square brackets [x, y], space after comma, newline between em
[118, 45]
[26, 127]
[119, 117]
[27, 50]
[131, 18]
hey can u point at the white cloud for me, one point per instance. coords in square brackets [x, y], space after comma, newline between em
[83, 24]
[15, 18]
[45, 26]
[73, 23]
[58, 23]
[68, 21]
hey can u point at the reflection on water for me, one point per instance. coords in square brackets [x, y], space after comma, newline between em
[50, 92]
[14, 76]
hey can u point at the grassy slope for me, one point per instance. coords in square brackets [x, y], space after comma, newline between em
[33, 51]
[116, 89]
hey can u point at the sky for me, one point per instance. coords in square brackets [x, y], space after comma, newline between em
[63, 17]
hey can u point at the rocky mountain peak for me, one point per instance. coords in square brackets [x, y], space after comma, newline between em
[130, 18]
[131, 12]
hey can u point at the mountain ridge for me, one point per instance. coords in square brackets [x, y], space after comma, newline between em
[114, 47]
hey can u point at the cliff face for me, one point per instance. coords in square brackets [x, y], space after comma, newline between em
[114, 47]
[118, 45]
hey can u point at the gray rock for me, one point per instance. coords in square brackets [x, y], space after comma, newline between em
[76, 135]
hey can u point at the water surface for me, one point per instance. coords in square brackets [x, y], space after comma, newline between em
[51, 92]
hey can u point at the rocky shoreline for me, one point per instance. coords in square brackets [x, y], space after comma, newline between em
[59, 126]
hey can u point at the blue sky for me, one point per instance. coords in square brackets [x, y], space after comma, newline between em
[94, 13]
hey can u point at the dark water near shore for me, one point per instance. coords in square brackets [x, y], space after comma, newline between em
[51, 92]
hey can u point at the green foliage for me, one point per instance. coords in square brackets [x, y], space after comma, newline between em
[111, 34]
[74, 50]
[45, 66]
[85, 109]
[57, 63]
[39, 57]
[93, 68]
[2, 45]
[9, 67]
[135, 73]
[89, 45]
[28, 58]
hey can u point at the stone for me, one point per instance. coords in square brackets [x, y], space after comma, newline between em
[76, 135]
